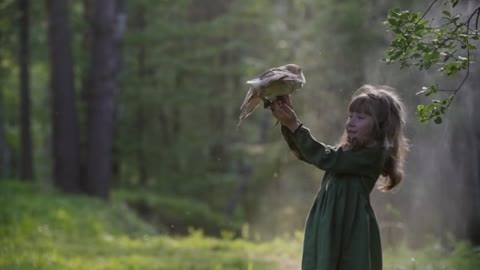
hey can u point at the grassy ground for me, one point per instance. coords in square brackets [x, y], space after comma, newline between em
[46, 230]
[42, 229]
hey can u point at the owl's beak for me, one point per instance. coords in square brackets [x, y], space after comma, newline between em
[303, 77]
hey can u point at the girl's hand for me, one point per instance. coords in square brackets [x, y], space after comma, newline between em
[286, 100]
[283, 111]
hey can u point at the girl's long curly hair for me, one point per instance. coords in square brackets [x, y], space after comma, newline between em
[388, 114]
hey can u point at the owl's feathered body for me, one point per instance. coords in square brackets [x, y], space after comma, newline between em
[275, 82]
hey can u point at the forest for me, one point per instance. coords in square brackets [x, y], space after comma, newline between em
[119, 137]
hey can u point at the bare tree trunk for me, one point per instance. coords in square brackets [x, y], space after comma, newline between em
[64, 116]
[84, 94]
[142, 168]
[5, 41]
[245, 172]
[102, 99]
[244, 169]
[4, 149]
[473, 187]
[465, 151]
[120, 28]
[140, 24]
[26, 157]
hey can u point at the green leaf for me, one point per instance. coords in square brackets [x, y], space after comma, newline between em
[450, 69]
[438, 120]
[392, 21]
[446, 13]
[394, 12]
[471, 47]
[432, 57]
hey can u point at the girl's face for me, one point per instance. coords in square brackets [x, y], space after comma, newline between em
[359, 128]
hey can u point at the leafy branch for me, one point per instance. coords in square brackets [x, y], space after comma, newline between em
[449, 46]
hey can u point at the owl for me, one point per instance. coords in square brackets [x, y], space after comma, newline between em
[273, 83]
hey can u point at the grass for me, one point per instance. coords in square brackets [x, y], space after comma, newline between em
[174, 214]
[41, 229]
[434, 256]
[48, 230]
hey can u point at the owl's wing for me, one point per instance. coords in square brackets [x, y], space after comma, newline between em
[269, 76]
[266, 80]
[276, 74]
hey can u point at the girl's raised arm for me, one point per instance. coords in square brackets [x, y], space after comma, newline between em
[367, 161]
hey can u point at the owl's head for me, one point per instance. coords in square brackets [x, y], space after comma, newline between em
[294, 68]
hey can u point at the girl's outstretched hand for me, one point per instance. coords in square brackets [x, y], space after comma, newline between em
[285, 99]
[283, 111]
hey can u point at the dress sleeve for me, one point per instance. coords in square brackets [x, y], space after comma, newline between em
[367, 161]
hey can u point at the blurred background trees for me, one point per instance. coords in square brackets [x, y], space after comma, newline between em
[143, 97]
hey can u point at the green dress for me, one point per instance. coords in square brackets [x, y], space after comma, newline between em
[341, 232]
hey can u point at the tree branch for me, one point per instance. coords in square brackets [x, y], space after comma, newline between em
[428, 10]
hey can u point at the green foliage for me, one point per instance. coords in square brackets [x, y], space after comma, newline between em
[45, 230]
[27, 207]
[434, 110]
[433, 257]
[421, 44]
[176, 215]
[184, 73]
[182, 81]
[41, 229]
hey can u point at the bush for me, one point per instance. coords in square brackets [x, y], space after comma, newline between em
[47, 230]
[462, 256]
[175, 215]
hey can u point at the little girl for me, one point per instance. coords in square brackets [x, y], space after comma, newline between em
[341, 232]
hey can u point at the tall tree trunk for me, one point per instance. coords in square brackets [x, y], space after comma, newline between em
[465, 151]
[4, 149]
[6, 32]
[473, 178]
[84, 93]
[234, 200]
[141, 24]
[142, 168]
[65, 121]
[120, 29]
[104, 89]
[26, 157]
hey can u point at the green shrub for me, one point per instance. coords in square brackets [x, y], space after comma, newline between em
[462, 256]
[42, 229]
[176, 215]
[47, 230]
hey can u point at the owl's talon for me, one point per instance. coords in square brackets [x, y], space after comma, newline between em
[267, 103]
